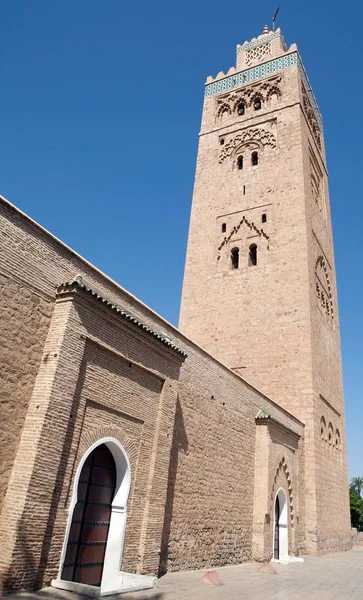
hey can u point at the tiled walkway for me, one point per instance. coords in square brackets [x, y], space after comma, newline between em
[329, 577]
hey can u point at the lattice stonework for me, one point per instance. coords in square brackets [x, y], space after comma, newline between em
[258, 42]
[258, 53]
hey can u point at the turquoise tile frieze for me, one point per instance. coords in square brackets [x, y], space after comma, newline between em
[266, 38]
[272, 66]
[228, 83]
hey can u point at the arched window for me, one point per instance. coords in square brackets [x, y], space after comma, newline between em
[322, 429]
[257, 103]
[221, 141]
[254, 159]
[264, 218]
[241, 109]
[224, 227]
[252, 255]
[240, 162]
[337, 440]
[235, 258]
[330, 434]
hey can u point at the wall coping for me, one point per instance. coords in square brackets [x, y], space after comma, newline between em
[79, 283]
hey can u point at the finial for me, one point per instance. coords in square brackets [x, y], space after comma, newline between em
[265, 30]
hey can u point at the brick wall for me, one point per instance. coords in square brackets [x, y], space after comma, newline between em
[190, 435]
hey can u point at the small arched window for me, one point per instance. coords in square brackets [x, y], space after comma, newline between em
[241, 109]
[252, 255]
[240, 162]
[224, 227]
[330, 434]
[235, 258]
[221, 141]
[264, 218]
[257, 103]
[254, 159]
[322, 428]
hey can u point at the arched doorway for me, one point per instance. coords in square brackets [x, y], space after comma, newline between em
[90, 524]
[93, 546]
[280, 534]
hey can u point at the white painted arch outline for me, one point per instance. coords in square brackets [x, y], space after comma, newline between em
[112, 576]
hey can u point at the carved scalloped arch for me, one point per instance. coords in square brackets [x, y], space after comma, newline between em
[240, 100]
[255, 96]
[266, 138]
[283, 468]
[321, 262]
[274, 89]
[223, 108]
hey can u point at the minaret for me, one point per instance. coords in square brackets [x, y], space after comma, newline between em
[259, 287]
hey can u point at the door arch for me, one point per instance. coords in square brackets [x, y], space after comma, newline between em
[97, 514]
[280, 533]
[87, 538]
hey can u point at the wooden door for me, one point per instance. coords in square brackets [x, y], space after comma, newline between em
[277, 530]
[91, 519]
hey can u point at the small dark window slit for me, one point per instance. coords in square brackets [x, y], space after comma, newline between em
[252, 255]
[264, 218]
[240, 162]
[235, 258]
[254, 159]
[224, 227]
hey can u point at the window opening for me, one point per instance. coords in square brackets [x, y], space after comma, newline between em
[252, 255]
[235, 258]
[240, 162]
[257, 104]
[221, 141]
[241, 109]
[244, 190]
[254, 159]
[264, 218]
[224, 227]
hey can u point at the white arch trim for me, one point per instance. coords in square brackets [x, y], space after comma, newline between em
[113, 579]
[283, 520]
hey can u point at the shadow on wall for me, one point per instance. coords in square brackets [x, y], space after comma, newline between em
[180, 443]
[53, 594]
[28, 559]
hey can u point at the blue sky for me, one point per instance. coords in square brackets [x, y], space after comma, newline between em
[100, 111]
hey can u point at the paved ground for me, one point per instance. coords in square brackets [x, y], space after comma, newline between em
[330, 577]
